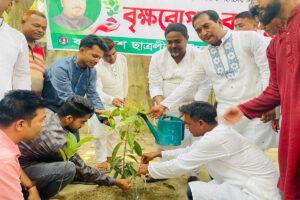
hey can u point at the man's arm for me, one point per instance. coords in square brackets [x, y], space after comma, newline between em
[201, 152]
[89, 174]
[21, 75]
[155, 79]
[196, 75]
[61, 81]
[92, 93]
[26, 182]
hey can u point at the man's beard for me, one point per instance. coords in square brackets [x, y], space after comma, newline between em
[270, 12]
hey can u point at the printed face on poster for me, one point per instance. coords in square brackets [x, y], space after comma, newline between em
[136, 26]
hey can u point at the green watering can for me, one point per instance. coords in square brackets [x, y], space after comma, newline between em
[170, 130]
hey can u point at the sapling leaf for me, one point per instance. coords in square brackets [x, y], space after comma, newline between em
[138, 148]
[122, 134]
[131, 156]
[73, 139]
[137, 124]
[63, 155]
[130, 139]
[129, 119]
[112, 123]
[84, 140]
[126, 173]
[115, 151]
[69, 142]
[130, 168]
[70, 152]
[116, 174]
[115, 162]
[116, 112]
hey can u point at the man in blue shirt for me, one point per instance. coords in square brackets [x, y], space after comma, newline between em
[75, 75]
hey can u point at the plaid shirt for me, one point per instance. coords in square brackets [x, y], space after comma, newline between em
[45, 148]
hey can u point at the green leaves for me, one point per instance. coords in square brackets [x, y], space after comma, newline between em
[84, 140]
[138, 148]
[72, 146]
[112, 7]
[115, 151]
[63, 155]
[128, 147]
[130, 139]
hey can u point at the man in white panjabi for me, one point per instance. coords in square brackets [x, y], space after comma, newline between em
[112, 86]
[236, 64]
[14, 62]
[240, 170]
[167, 70]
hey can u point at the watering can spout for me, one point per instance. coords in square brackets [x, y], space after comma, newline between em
[151, 127]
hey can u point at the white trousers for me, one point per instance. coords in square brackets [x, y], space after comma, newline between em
[213, 191]
[105, 140]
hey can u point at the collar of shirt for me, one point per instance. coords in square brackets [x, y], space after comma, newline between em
[76, 66]
[9, 143]
[226, 36]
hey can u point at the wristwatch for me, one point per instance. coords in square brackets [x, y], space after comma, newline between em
[33, 183]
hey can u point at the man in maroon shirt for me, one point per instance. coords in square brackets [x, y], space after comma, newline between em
[284, 61]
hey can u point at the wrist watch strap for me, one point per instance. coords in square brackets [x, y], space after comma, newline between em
[33, 183]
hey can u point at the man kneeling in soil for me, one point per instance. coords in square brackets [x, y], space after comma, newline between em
[41, 158]
[239, 169]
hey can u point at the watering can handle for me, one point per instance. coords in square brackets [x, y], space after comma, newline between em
[164, 117]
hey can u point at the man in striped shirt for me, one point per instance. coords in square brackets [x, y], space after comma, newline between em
[34, 25]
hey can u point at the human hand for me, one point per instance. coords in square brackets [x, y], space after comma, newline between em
[268, 116]
[147, 157]
[231, 116]
[143, 170]
[124, 184]
[33, 194]
[117, 102]
[157, 111]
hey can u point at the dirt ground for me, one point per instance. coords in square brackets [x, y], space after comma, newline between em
[174, 189]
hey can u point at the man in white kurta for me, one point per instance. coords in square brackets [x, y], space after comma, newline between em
[14, 62]
[112, 86]
[240, 170]
[237, 66]
[168, 68]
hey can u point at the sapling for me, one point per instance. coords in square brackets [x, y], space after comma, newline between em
[129, 128]
[70, 150]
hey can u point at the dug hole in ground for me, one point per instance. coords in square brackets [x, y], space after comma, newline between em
[174, 189]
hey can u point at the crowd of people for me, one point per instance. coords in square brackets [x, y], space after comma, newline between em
[253, 77]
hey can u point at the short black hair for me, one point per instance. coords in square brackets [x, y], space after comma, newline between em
[177, 27]
[109, 42]
[200, 110]
[20, 104]
[76, 106]
[90, 40]
[245, 14]
[213, 15]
